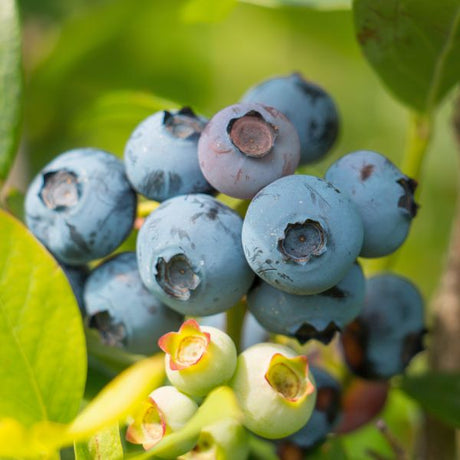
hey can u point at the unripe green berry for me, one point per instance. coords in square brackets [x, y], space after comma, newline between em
[275, 390]
[198, 359]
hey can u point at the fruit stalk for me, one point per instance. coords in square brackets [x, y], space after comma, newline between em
[419, 135]
[234, 319]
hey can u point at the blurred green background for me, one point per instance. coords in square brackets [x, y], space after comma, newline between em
[94, 69]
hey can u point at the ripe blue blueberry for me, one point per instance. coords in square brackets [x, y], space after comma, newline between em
[310, 109]
[245, 147]
[124, 312]
[81, 205]
[383, 195]
[161, 155]
[308, 317]
[325, 414]
[190, 255]
[389, 332]
[301, 235]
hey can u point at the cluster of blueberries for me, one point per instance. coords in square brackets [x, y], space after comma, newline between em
[294, 255]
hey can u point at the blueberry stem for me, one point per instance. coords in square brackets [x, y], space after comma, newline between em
[235, 318]
[261, 449]
[419, 134]
[144, 208]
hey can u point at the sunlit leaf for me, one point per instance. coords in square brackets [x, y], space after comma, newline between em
[10, 84]
[119, 398]
[413, 45]
[437, 393]
[314, 4]
[103, 445]
[42, 346]
[207, 10]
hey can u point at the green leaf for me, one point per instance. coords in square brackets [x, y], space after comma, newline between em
[42, 345]
[207, 10]
[413, 45]
[437, 393]
[104, 445]
[10, 84]
[113, 116]
[119, 398]
[219, 405]
[14, 202]
[313, 4]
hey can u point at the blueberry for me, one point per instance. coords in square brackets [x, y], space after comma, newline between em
[383, 195]
[190, 255]
[198, 359]
[81, 205]
[77, 277]
[245, 147]
[165, 411]
[310, 109]
[301, 235]
[308, 317]
[123, 310]
[161, 155]
[362, 401]
[252, 331]
[388, 333]
[325, 415]
[275, 390]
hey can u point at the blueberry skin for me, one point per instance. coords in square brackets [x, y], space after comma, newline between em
[252, 332]
[325, 415]
[310, 109]
[245, 147]
[77, 277]
[81, 205]
[161, 155]
[123, 310]
[389, 332]
[190, 255]
[308, 317]
[301, 235]
[383, 195]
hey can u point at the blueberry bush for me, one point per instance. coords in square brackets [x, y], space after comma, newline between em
[229, 229]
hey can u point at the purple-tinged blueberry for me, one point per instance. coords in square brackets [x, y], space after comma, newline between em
[245, 147]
